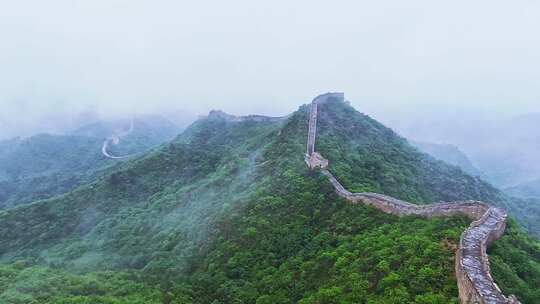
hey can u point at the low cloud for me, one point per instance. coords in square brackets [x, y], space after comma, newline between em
[398, 61]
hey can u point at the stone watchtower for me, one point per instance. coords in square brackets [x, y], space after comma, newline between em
[314, 159]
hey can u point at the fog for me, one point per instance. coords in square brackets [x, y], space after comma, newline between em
[423, 67]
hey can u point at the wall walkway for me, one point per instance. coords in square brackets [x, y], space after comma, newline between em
[472, 263]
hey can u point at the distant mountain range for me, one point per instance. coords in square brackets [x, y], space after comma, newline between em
[449, 154]
[504, 152]
[228, 212]
[45, 165]
[526, 190]
[509, 155]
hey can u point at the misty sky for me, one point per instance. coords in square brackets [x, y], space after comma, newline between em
[399, 61]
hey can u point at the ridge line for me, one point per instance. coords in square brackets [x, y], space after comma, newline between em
[475, 283]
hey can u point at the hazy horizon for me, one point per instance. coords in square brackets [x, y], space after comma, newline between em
[398, 62]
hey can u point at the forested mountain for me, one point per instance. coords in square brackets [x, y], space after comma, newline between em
[228, 212]
[46, 165]
[510, 152]
[369, 157]
[526, 190]
[449, 154]
[148, 131]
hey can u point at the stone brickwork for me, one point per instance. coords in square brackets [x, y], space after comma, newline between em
[315, 160]
[472, 264]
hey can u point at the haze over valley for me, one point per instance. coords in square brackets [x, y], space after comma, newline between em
[306, 152]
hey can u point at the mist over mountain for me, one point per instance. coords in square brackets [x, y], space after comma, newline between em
[526, 190]
[171, 152]
[46, 165]
[229, 212]
[449, 154]
[392, 59]
[72, 122]
[503, 148]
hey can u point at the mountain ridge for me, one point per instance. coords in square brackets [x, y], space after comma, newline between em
[230, 210]
[450, 154]
[45, 165]
[472, 264]
[529, 189]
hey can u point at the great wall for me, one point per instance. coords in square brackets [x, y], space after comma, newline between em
[218, 114]
[473, 274]
[115, 139]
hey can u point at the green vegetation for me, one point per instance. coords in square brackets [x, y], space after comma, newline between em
[526, 190]
[25, 284]
[449, 154]
[152, 213]
[368, 157]
[229, 213]
[45, 165]
[527, 212]
[515, 263]
[304, 245]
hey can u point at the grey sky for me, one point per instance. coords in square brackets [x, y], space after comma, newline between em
[394, 59]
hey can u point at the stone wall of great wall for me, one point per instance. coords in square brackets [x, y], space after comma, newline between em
[115, 139]
[473, 273]
[312, 130]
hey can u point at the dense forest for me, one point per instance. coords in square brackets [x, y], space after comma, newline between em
[368, 157]
[229, 213]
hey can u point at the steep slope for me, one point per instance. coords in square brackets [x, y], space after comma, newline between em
[526, 190]
[336, 253]
[504, 149]
[158, 204]
[229, 213]
[527, 213]
[46, 165]
[368, 157]
[449, 154]
[472, 265]
[508, 151]
[141, 133]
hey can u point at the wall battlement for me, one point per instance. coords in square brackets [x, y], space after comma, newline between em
[473, 273]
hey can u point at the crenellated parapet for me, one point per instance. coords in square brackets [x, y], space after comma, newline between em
[475, 283]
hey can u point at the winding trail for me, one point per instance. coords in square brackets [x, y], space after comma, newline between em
[115, 139]
[475, 282]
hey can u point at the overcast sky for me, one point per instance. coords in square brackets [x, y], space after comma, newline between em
[395, 60]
